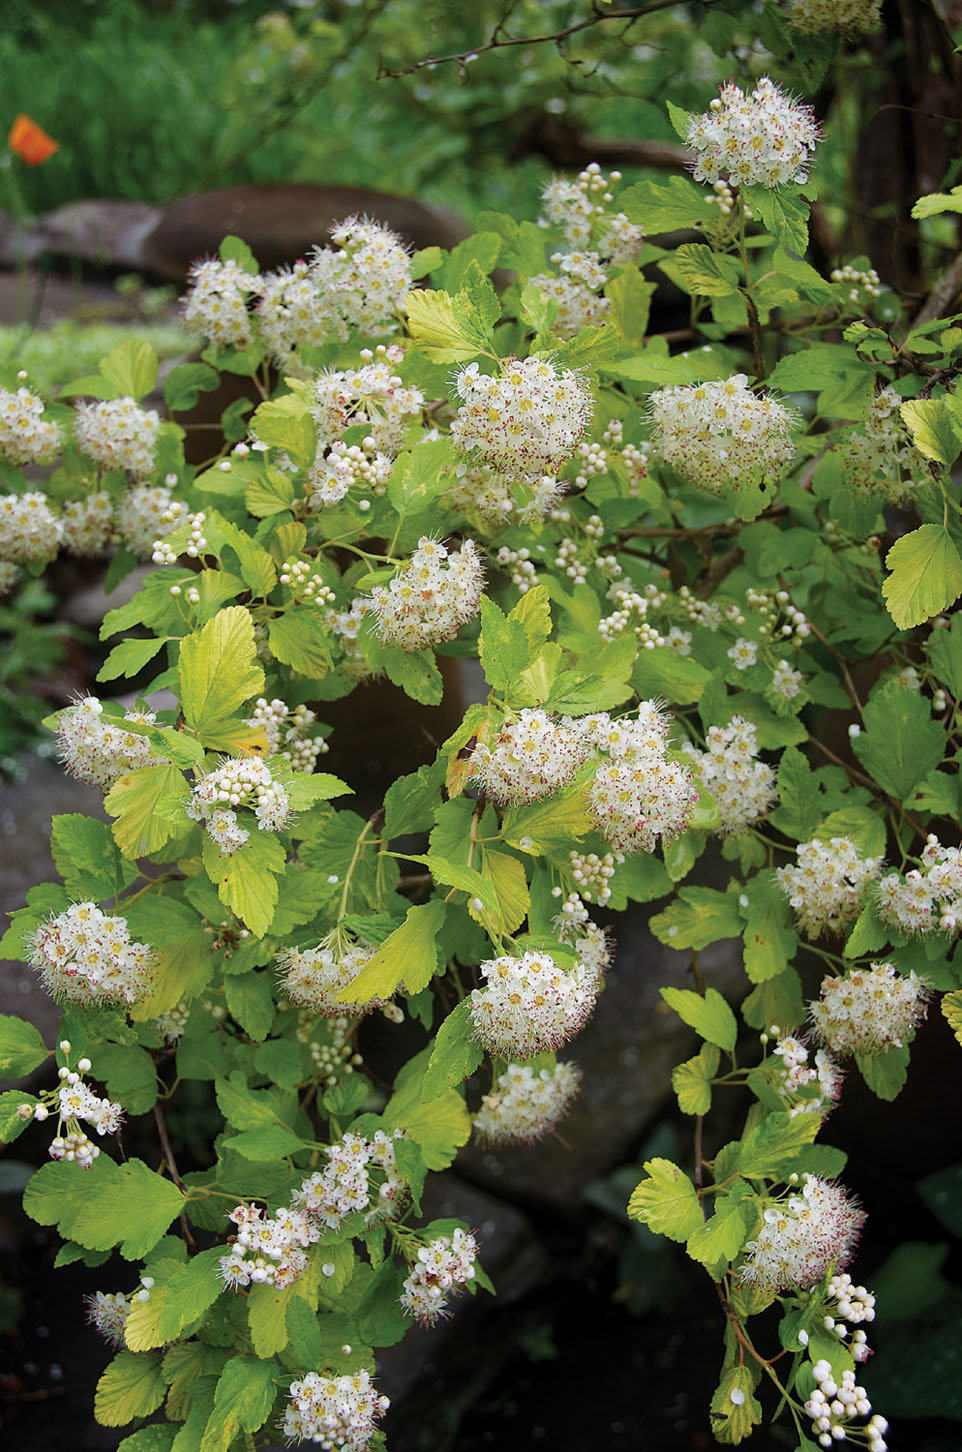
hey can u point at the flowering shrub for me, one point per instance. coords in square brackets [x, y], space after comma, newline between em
[666, 571]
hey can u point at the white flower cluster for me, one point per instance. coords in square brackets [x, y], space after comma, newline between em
[372, 396]
[722, 434]
[806, 1088]
[580, 209]
[869, 1010]
[107, 1312]
[29, 529]
[431, 597]
[240, 781]
[639, 794]
[26, 437]
[271, 1252]
[802, 1236]
[287, 732]
[217, 306]
[579, 305]
[118, 434]
[786, 681]
[87, 957]
[879, 457]
[312, 977]
[293, 313]
[75, 1101]
[441, 1270]
[525, 1104]
[360, 1177]
[95, 748]
[528, 417]
[145, 514]
[761, 140]
[833, 1406]
[927, 901]
[532, 757]
[845, 17]
[743, 786]
[87, 525]
[862, 285]
[827, 885]
[493, 498]
[336, 1412]
[530, 1005]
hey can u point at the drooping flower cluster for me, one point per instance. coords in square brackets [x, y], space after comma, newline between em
[95, 748]
[879, 457]
[869, 1010]
[531, 757]
[926, 901]
[760, 140]
[118, 434]
[834, 1406]
[827, 885]
[107, 1312]
[287, 732]
[239, 782]
[218, 305]
[312, 977]
[638, 794]
[441, 1271]
[806, 1088]
[802, 1236]
[88, 958]
[26, 437]
[74, 1101]
[844, 17]
[360, 1177]
[528, 417]
[431, 597]
[267, 1251]
[721, 434]
[743, 786]
[525, 1104]
[530, 1005]
[29, 529]
[336, 1412]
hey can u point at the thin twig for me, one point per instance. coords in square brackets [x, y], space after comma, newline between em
[174, 1172]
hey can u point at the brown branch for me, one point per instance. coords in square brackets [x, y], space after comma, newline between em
[940, 298]
[174, 1172]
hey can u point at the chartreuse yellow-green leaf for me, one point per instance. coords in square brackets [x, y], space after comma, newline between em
[149, 807]
[692, 1080]
[926, 575]
[666, 1202]
[109, 1204]
[218, 673]
[242, 1402]
[408, 956]
[734, 1411]
[246, 880]
[132, 1386]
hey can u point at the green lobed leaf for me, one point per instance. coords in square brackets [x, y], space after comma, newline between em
[408, 956]
[735, 1412]
[885, 1074]
[455, 1053]
[770, 940]
[692, 1080]
[899, 743]
[699, 916]
[175, 1302]
[246, 880]
[132, 1386]
[666, 1202]
[709, 1014]
[717, 1242]
[109, 1204]
[129, 657]
[932, 424]
[21, 1047]
[149, 807]
[772, 1146]
[267, 1308]
[218, 671]
[925, 578]
[242, 1402]
[131, 368]
[87, 857]
[702, 271]
[665, 206]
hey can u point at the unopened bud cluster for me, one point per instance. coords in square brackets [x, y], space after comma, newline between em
[834, 1406]
[442, 1269]
[720, 435]
[431, 597]
[802, 1236]
[287, 731]
[763, 139]
[86, 957]
[827, 885]
[239, 782]
[525, 1104]
[869, 1010]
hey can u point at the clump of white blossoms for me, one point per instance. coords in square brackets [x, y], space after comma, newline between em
[638, 793]
[529, 416]
[360, 1177]
[431, 597]
[237, 783]
[879, 457]
[76, 1101]
[764, 139]
[869, 1010]
[834, 1406]
[86, 957]
[287, 731]
[118, 434]
[803, 1087]
[87, 525]
[145, 514]
[844, 17]
[531, 757]
[271, 1251]
[96, 748]
[525, 1104]
[29, 529]
[217, 305]
[827, 885]
[927, 901]
[337, 1412]
[720, 434]
[107, 1312]
[312, 977]
[373, 396]
[441, 1271]
[26, 437]
[531, 1005]
[743, 786]
[802, 1236]
[580, 209]
[492, 498]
